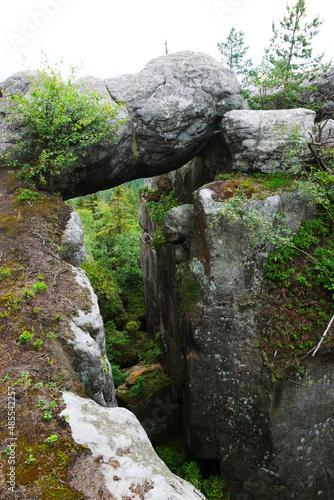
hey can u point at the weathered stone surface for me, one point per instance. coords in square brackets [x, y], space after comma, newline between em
[130, 466]
[327, 132]
[232, 410]
[259, 140]
[174, 104]
[9, 132]
[88, 341]
[323, 96]
[173, 107]
[176, 224]
[18, 83]
[302, 426]
[73, 248]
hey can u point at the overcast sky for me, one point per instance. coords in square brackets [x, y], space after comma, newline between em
[113, 37]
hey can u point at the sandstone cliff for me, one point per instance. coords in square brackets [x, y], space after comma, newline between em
[246, 400]
[266, 419]
[55, 441]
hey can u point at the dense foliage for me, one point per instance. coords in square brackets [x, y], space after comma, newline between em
[112, 231]
[212, 488]
[62, 120]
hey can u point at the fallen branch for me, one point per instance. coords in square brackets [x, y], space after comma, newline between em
[56, 475]
[324, 335]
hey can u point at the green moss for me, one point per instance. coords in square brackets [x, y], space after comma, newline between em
[149, 384]
[134, 149]
[187, 287]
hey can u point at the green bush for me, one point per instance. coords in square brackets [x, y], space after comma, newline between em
[213, 487]
[25, 336]
[139, 388]
[40, 287]
[106, 288]
[172, 458]
[26, 195]
[152, 352]
[116, 342]
[118, 376]
[62, 122]
[158, 209]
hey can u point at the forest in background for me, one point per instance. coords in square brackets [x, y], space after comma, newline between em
[112, 232]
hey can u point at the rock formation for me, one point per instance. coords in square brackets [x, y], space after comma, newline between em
[258, 141]
[204, 292]
[204, 287]
[127, 460]
[321, 95]
[172, 108]
[55, 369]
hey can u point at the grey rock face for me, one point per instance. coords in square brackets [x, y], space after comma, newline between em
[73, 248]
[323, 96]
[88, 340]
[327, 132]
[172, 108]
[265, 434]
[259, 140]
[129, 462]
[176, 224]
[18, 83]
[9, 132]
[174, 104]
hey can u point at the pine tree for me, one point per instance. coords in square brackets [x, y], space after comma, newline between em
[288, 62]
[233, 53]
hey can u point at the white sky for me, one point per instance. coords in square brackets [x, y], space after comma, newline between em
[113, 37]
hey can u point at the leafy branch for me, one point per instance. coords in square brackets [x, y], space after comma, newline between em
[62, 121]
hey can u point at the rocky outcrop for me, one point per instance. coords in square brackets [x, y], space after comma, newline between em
[89, 345]
[129, 464]
[52, 338]
[177, 223]
[172, 108]
[321, 96]
[204, 293]
[73, 248]
[265, 141]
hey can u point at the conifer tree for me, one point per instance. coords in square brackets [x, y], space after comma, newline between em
[288, 62]
[233, 53]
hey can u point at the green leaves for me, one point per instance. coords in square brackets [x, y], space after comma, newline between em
[158, 209]
[63, 121]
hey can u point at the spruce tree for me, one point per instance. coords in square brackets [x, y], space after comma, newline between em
[233, 53]
[288, 62]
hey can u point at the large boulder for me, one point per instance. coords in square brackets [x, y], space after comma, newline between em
[176, 224]
[87, 339]
[265, 141]
[174, 105]
[172, 108]
[129, 464]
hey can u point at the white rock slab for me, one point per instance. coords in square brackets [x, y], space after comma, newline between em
[130, 465]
